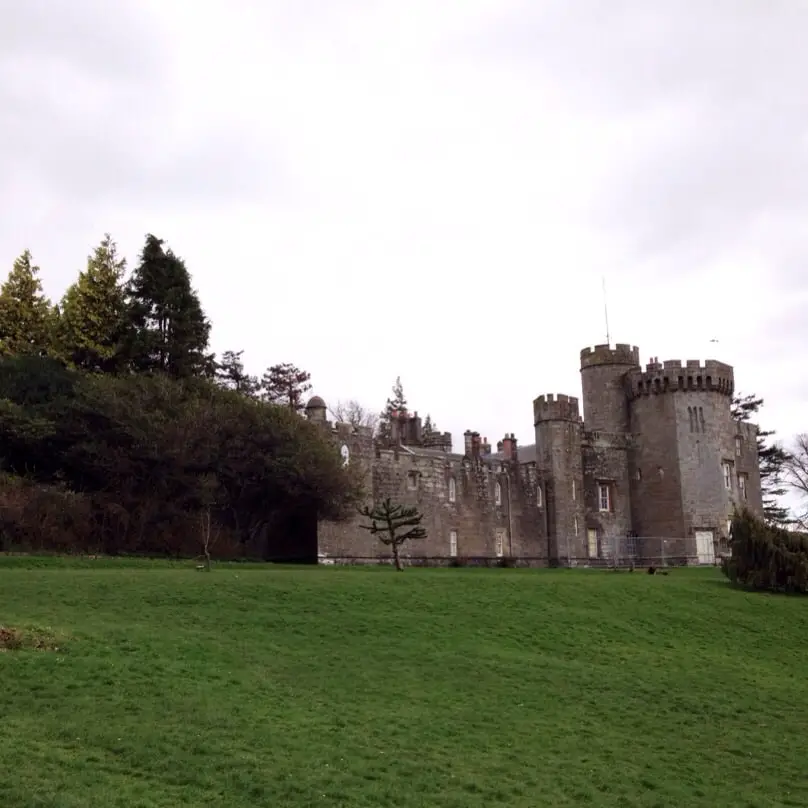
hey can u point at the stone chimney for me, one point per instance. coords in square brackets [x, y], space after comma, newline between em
[509, 447]
[415, 434]
[475, 445]
[467, 436]
[485, 448]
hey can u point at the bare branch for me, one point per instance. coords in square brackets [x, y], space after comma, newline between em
[352, 412]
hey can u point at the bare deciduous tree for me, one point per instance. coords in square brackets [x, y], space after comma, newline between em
[352, 412]
[795, 475]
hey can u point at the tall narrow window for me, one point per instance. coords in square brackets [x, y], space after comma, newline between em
[575, 525]
[738, 446]
[498, 494]
[573, 490]
[499, 542]
[539, 497]
[701, 419]
[412, 480]
[690, 416]
[452, 489]
[604, 497]
[728, 476]
[742, 486]
[453, 543]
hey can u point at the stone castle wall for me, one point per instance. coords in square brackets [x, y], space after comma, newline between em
[638, 474]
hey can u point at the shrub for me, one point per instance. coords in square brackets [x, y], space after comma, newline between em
[766, 557]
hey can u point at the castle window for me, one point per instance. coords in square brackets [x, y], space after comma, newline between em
[453, 543]
[412, 480]
[498, 494]
[452, 489]
[701, 419]
[539, 499]
[604, 497]
[575, 525]
[573, 490]
[742, 485]
[728, 476]
[638, 475]
[738, 446]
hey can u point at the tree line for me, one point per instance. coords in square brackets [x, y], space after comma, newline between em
[121, 432]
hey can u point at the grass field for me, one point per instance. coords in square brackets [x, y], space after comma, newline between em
[364, 687]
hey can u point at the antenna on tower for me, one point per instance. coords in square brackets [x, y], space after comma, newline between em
[606, 311]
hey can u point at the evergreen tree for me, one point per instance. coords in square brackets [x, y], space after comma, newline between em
[396, 403]
[231, 375]
[92, 324]
[428, 429]
[170, 331]
[286, 384]
[772, 457]
[26, 317]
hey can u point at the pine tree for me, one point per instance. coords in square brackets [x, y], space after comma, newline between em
[170, 330]
[772, 458]
[397, 403]
[286, 384]
[428, 429]
[230, 374]
[26, 316]
[394, 525]
[92, 323]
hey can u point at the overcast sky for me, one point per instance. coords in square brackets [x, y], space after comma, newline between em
[432, 188]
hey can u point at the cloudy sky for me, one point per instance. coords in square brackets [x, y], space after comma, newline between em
[432, 188]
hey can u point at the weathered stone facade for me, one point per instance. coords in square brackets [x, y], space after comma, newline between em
[652, 473]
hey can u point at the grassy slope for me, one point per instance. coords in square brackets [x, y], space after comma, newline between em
[346, 687]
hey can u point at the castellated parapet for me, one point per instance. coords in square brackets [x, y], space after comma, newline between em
[674, 375]
[621, 354]
[556, 407]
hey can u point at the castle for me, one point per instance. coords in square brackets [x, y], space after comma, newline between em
[650, 474]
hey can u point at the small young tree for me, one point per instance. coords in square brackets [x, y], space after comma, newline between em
[231, 375]
[394, 404]
[286, 384]
[393, 525]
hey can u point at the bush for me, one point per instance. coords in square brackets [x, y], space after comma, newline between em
[765, 557]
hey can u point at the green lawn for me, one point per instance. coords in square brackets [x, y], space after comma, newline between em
[363, 687]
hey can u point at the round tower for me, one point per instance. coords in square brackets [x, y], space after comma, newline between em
[685, 480]
[603, 371]
[559, 464]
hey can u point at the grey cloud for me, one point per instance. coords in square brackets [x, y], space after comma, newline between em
[88, 116]
[710, 96]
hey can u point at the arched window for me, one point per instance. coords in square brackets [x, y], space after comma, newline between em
[452, 489]
[539, 498]
[498, 494]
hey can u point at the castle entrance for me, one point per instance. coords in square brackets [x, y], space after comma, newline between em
[705, 548]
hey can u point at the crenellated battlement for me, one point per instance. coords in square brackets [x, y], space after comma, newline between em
[556, 407]
[620, 354]
[675, 375]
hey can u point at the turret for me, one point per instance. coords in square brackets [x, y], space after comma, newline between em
[603, 371]
[559, 465]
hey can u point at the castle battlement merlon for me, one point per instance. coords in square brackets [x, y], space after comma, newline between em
[556, 407]
[620, 354]
[673, 375]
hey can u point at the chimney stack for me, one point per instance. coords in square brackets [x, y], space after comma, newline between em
[509, 447]
[475, 445]
[467, 435]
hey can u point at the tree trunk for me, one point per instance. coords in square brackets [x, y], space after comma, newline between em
[397, 557]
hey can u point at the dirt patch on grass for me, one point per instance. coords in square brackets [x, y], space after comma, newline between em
[34, 639]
